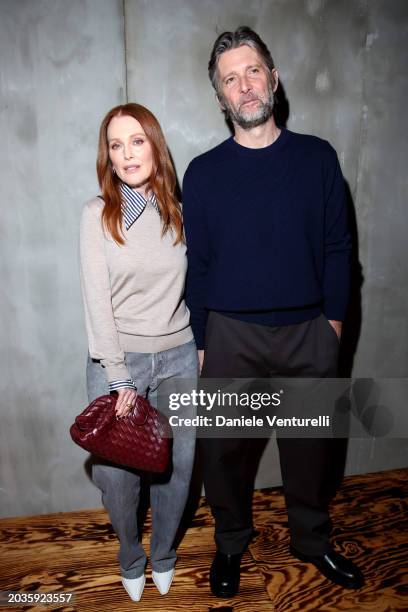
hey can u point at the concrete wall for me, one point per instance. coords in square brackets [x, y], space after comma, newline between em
[63, 65]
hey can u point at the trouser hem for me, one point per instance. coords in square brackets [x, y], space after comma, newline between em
[310, 552]
[163, 568]
[132, 574]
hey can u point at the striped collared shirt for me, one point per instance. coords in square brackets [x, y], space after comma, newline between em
[134, 203]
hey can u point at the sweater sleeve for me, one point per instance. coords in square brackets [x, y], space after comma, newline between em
[198, 255]
[96, 291]
[337, 246]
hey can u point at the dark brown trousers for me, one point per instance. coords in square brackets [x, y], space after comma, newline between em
[239, 349]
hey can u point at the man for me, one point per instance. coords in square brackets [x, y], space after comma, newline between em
[268, 281]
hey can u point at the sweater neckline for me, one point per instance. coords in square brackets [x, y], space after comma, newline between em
[269, 150]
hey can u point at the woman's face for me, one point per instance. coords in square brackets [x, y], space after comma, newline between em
[129, 151]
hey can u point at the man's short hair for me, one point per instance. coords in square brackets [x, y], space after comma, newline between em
[232, 40]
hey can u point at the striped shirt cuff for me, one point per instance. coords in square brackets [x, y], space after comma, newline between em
[114, 385]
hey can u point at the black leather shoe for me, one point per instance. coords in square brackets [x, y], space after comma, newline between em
[224, 575]
[335, 567]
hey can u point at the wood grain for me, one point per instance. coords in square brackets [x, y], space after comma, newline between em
[77, 552]
[370, 517]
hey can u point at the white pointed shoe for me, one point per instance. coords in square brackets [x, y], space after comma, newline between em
[134, 587]
[163, 580]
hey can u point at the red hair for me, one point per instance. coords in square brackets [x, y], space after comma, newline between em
[162, 180]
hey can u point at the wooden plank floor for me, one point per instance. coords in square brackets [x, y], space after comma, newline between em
[77, 552]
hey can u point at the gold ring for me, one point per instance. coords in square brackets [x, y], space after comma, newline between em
[129, 405]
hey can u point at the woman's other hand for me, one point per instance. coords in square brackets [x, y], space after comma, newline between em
[125, 402]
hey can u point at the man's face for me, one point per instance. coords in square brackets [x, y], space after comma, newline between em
[246, 87]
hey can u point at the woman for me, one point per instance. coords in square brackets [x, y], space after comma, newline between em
[133, 266]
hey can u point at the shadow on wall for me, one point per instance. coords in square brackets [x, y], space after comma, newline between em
[350, 335]
[281, 108]
[352, 324]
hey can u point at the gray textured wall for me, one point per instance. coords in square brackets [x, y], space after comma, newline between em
[62, 66]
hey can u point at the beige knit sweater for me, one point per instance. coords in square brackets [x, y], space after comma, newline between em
[133, 294]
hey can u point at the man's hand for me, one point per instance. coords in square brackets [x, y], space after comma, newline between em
[125, 402]
[337, 326]
[200, 360]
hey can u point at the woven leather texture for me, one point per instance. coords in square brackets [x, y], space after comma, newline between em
[142, 440]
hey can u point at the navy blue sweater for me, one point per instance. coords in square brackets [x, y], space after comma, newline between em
[267, 235]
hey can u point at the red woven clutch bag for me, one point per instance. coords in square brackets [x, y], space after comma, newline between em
[142, 440]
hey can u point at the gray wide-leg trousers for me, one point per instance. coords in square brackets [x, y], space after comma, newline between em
[120, 486]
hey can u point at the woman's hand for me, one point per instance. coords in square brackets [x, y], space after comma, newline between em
[125, 402]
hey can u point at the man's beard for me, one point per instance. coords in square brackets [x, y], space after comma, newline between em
[250, 119]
